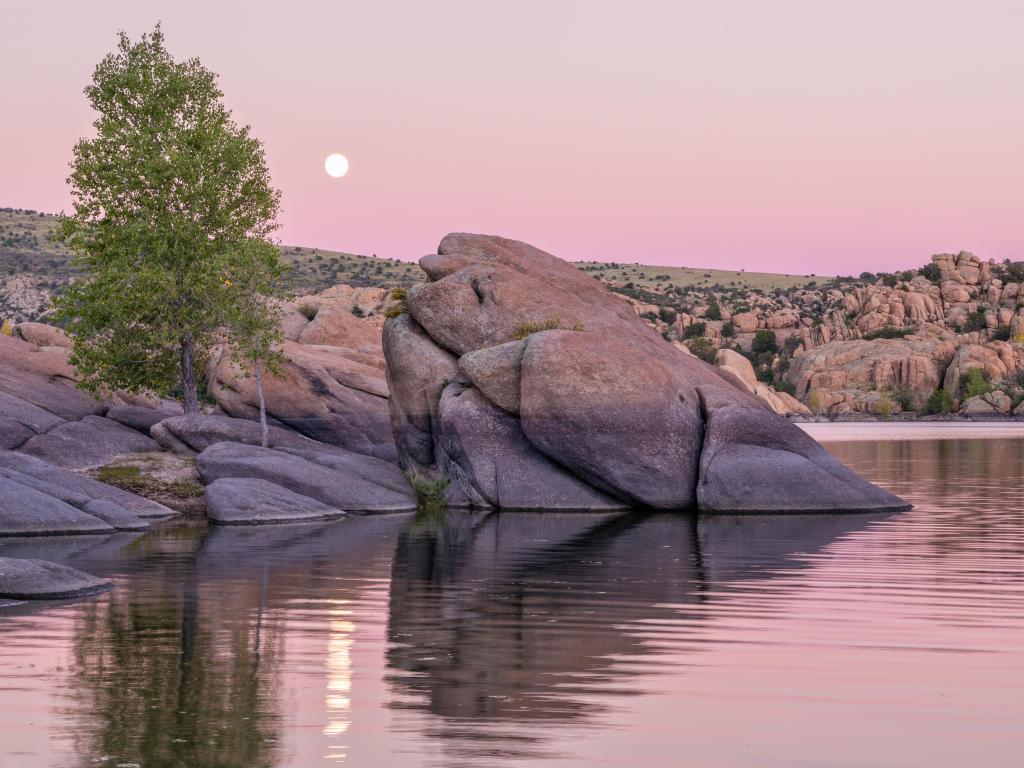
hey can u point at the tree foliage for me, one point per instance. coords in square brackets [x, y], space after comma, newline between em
[173, 209]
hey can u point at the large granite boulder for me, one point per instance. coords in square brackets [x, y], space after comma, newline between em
[484, 451]
[632, 428]
[344, 489]
[251, 501]
[42, 580]
[417, 371]
[544, 389]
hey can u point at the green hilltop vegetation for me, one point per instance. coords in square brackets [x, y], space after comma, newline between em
[649, 277]
[28, 253]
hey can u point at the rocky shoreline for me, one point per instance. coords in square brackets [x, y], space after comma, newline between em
[509, 380]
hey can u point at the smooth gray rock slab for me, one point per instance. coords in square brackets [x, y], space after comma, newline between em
[91, 442]
[753, 461]
[376, 471]
[337, 488]
[13, 434]
[32, 416]
[60, 399]
[251, 501]
[194, 434]
[76, 489]
[25, 511]
[137, 417]
[484, 449]
[114, 515]
[43, 580]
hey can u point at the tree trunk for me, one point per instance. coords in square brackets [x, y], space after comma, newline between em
[263, 403]
[189, 391]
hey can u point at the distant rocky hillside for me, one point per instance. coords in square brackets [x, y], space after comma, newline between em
[33, 267]
[948, 337]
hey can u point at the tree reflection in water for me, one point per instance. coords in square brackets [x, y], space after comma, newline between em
[182, 673]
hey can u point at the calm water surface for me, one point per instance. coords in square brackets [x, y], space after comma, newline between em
[547, 640]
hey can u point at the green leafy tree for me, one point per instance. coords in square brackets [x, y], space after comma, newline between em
[173, 208]
[765, 342]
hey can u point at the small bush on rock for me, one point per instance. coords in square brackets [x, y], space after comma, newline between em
[694, 330]
[975, 382]
[309, 311]
[939, 401]
[703, 348]
[530, 327]
[429, 492]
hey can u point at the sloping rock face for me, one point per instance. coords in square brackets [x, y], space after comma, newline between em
[43, 580]
[250, 501]
[544, 390]
[348, 483]
[189, 435]
[333, 387]
[745, 455]
[74, 489]
[333, 394]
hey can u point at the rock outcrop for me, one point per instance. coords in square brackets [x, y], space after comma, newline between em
[40, 499]
[332, 388]
[544, 389]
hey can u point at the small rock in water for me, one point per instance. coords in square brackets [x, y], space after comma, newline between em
[43, 580]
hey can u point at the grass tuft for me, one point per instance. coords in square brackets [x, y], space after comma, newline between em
[309, 311]
[429, 492]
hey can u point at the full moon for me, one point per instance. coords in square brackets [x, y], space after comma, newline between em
[336, 166]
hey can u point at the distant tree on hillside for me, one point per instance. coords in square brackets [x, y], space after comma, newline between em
[173, 210]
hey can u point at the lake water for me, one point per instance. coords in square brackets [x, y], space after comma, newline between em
[547, 639]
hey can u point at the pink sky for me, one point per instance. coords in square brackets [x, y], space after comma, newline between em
[787, 136]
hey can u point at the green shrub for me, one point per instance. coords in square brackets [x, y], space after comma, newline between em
[714, 312]
[694, 330]
[931, 272]
[702, 347]
[906, 399]
[975, 321]
[667, 315]
[309, 311]
[728, 329]
[429, 491]
[974, 382]
[939, 401]
[889, 332]
[764, 342]
[398, 308]
[1001, 332]
[781, 385]
[884, 406]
